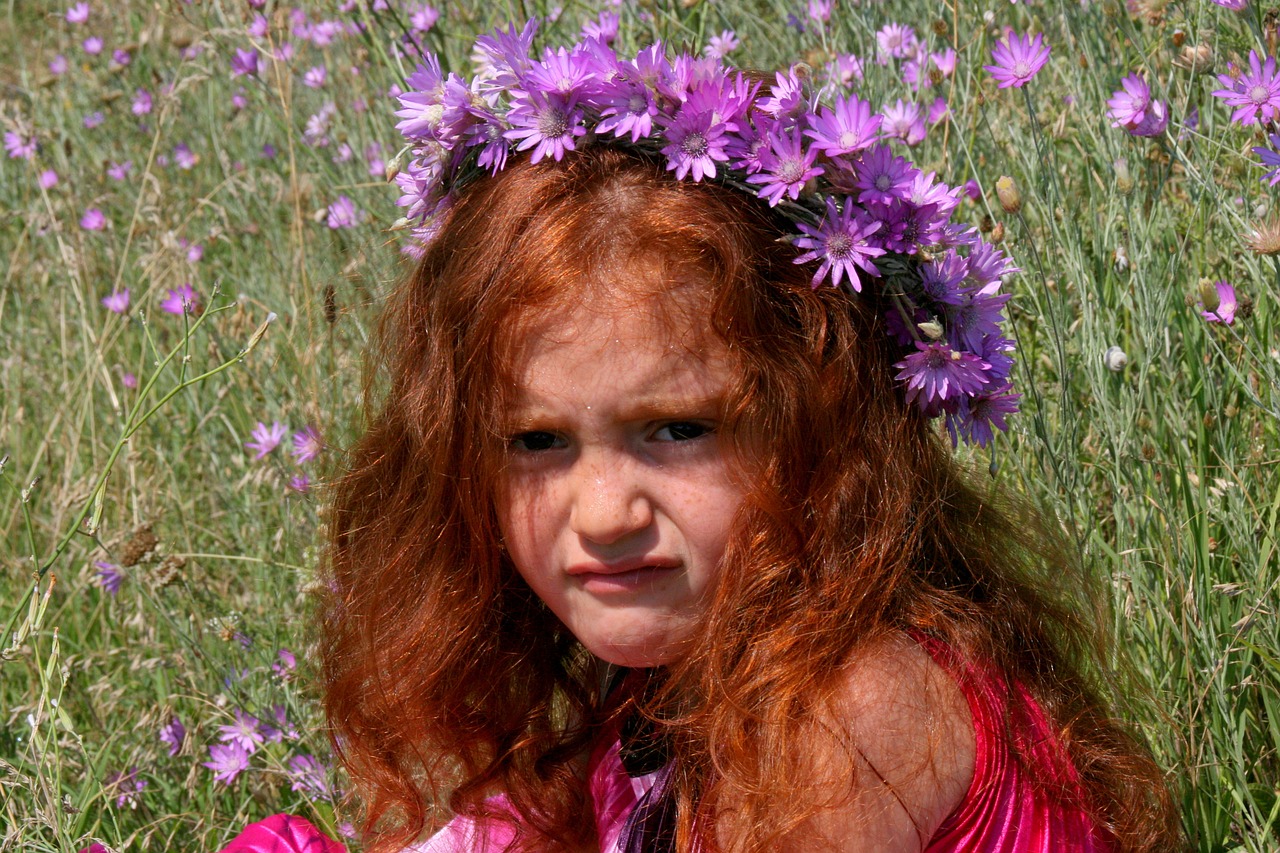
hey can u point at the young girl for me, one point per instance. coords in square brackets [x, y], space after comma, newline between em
[651, 542]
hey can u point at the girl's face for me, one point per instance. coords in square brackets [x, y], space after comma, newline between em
[617, 500]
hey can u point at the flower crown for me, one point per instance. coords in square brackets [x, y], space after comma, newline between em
[863, 213]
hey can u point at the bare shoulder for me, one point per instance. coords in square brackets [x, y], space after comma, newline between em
[899, 738]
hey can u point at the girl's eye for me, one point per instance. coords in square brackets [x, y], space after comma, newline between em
[682, 431]
[535, 440]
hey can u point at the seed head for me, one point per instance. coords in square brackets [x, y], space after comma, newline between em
[1007, 192]
[1264, 238]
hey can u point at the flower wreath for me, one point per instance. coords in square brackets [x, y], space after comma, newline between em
[865, 214]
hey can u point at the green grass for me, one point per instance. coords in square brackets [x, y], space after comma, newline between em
[1164, 473]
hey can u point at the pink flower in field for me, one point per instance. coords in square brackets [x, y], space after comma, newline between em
[92, 45]
[184, 157]
[48, 179]
[109, 576]
[306, 445]
[78, 14]
[119, 171]
[314, 78]
[141, 102]
[195, 252]
[126, 786]
[344, 214]
[129, 381]
[1255, 93]
[93, 220]
[184, 300]
[300, 483]
[227, 761]
[95, 847]
[718, 47]
[120, 57]
[118, 301]
[1132, 108]
[19, 147]
[244, 62]
[259, 27]
[1018, 59]
[58, 65]
[284, 833]
[1233, 5]
[245, 732]
[265, 438]
[286, 664]
[173, 734]
[1222, 297]
[93, 119]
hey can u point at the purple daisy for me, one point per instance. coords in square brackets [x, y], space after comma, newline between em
[1254, 93]
[18, 146]
[627, 106]
[117, 301]
[306, 445]
[244, 62]
[547, 122]
[227, 761]
[173, 734]
[975, 416]
[787, 166]
[93, 220]
[936, 374]
[78, 13]
[1131, 107]
[1225, 296]
[184, 300]
[847, 129]
[245, 732]
[265, 439]
[1270, 158]
[883, 177]
[344, 214]
[1018, 59]
[696, 137]
[841, 243]
[142, 103]
[719, 47]
[310, 776]
[126, 786]
[903, 121]
[47, 179]
[109, 576]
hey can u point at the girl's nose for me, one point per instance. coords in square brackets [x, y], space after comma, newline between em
[609, 500]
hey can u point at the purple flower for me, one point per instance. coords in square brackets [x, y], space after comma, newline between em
[119, 171]
[1018, 59]
[78, 13]
[126, 786]
[1131, 107]
[423, 18]
[117, 301]
[121, 57]
[141, 103]
[227, 761]
[93, 220]
[173, 733]
[547, 122]
[696, 136]
[1270, 158]
[975, 416]
[1225, 311]
[286, 664]
[903, 121]
[58, 65]
[309, 776]
[282, 728]
[935, 373]
[19, 147]
[92, 120]
[1233, 5]
[785, 167]
[849, 128]
[184, 300]
[343, 214]
[184, 157]
[244, 62]
[245, 732]
[48, 179]
[841, 243]
[315, 77]
[603, 27]
[306, 445]
[300, 483]
[820, 10]
[1255, 93]
[92, 45]
[882, 177]
[896, 40]
[258, 27]
[718, 47]
[195, 252]
[109, 576]
[265, 438]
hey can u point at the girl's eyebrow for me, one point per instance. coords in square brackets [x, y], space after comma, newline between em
[528, 412]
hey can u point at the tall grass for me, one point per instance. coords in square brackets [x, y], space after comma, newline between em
[1164, 471]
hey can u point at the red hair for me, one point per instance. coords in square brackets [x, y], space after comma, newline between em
[447, 680]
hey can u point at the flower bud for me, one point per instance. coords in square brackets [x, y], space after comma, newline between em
[1124, 178]
[932, 329]
[1115, 359]
[1007, 192]
[1209, 295]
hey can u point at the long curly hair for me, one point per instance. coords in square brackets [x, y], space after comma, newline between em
[447, 681]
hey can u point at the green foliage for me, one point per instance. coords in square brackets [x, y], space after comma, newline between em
[1164, 472]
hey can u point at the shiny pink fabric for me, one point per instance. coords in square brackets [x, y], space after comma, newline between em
[283, 833]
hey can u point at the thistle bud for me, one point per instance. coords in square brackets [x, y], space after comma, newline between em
[1007, 192]
[1115, 359]
[1209, 295]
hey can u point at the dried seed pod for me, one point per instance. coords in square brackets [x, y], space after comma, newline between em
[140, 546]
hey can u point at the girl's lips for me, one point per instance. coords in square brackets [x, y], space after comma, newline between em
[625, 581]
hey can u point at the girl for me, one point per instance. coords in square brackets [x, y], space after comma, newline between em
[650, 543]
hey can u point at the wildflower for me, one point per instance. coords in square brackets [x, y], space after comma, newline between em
[718, 47]
[1131, 107]
[547, 122]
[309, 776]
[975, 416]
[1018, 59]
[849, 128]
[129, 380]
[1264, 238]
[244, 62]
[58, 65]
[286, 664]
[245, 732]
[141, 103]
[227, 761]
[120, 57]
[786, 166]
[1115, 359]
[423, 18]
[117, 301]
[903, 121]
[195, 252]
[93, 220]
[1217, 302]
[1255, 93]
[936, 373]
[883, 177]
[840, 241]
[19, 147]
[119, 171]
[184, 157]
[282, 728]
[897, 41]
[174, 734]
[1270, 158]
[300, 483]
[47, 179]
[265, 438]
[1233, 5]
[109, 576]
[820, 10]
[306, 445]
[92, 45]
[78, 13]
[184, 300]
[696, 138]
[603, 27]
[344, 214]
[92, 120]
[258, 27]
[315, 77]
[126, 786]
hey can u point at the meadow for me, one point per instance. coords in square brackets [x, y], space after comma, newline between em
[197, 232]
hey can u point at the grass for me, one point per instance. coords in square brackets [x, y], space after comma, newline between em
[1164, 472]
